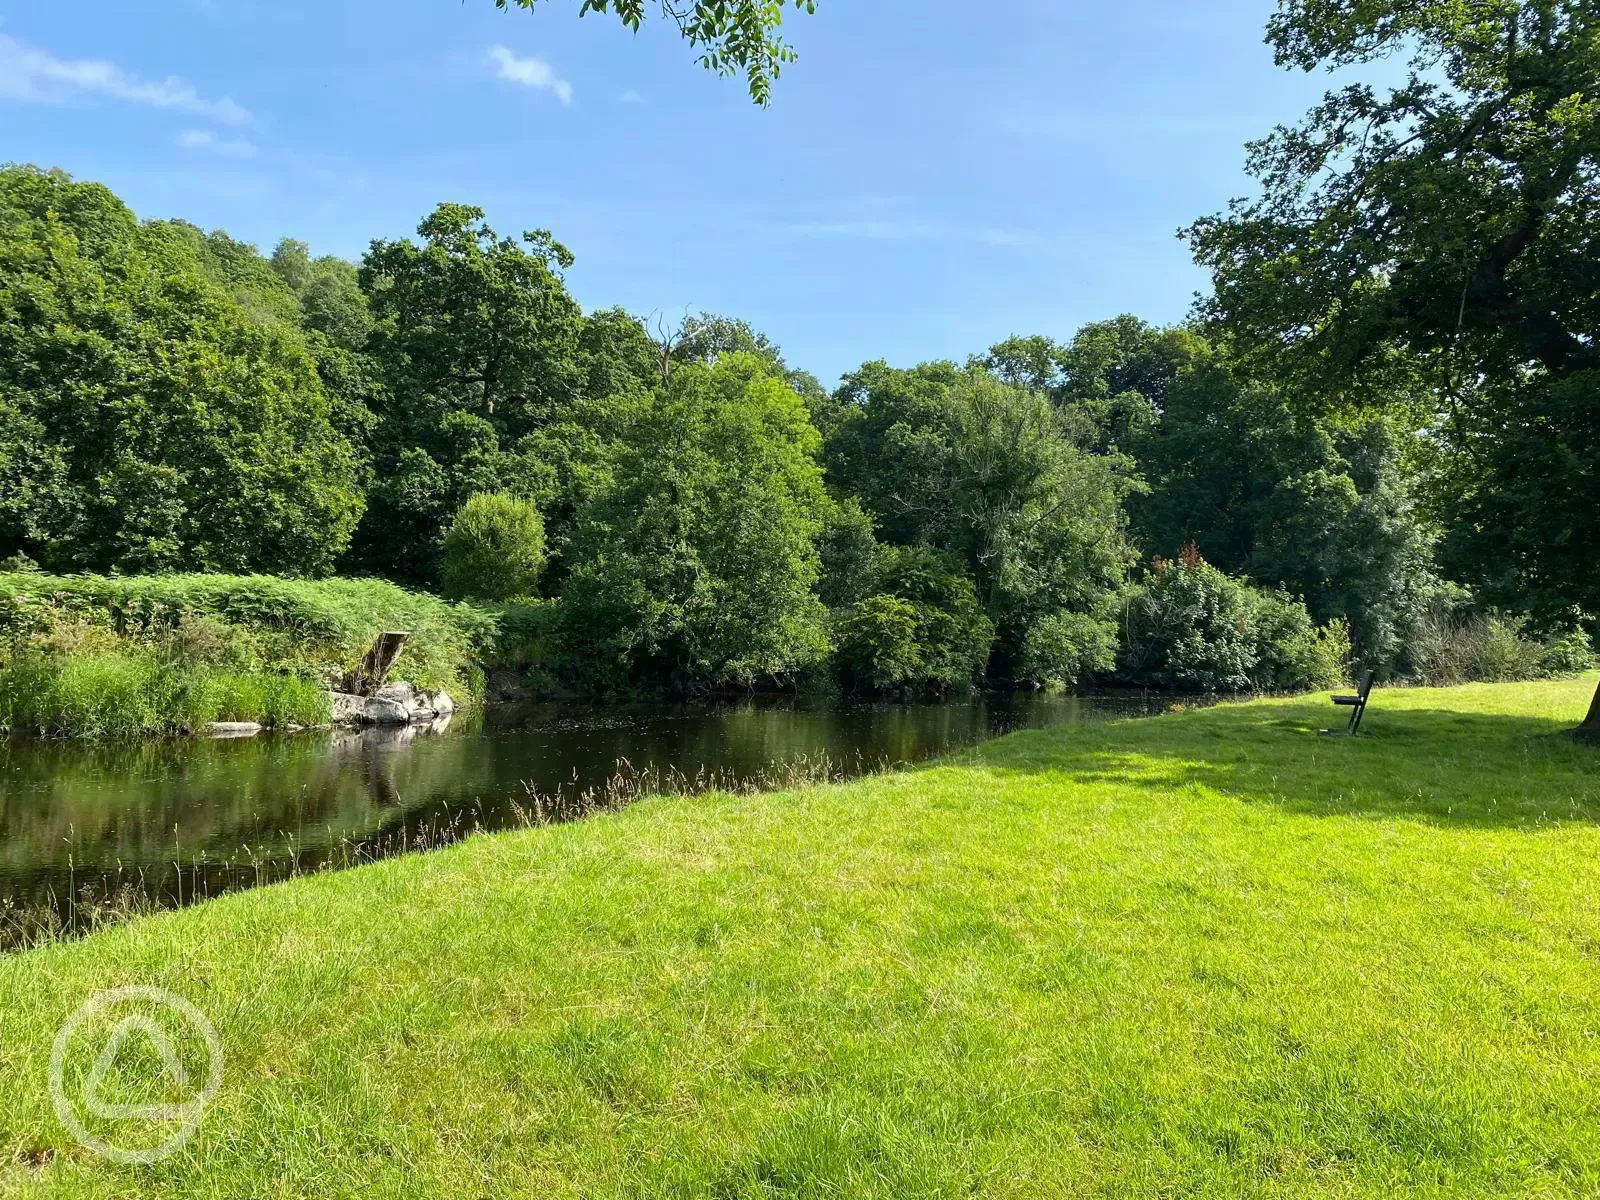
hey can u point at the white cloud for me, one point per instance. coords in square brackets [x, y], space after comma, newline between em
[28, 73]
[630, 97]
[531, 72]
[204, 139]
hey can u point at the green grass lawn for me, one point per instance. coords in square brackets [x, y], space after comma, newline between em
[1205, 954]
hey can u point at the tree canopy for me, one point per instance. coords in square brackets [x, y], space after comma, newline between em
[699, 562]
[685, 510]
[477, 345]
[733, 36]
[971, 464]
[150, 418]
[1437, 240]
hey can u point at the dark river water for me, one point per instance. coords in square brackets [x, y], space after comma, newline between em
[87, 829]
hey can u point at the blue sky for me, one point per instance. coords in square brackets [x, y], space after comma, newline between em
[932, 176]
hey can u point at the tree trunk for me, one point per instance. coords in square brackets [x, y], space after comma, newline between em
[374, 669]
[1590, 729]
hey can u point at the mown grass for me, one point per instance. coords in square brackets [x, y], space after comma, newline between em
[1208, 954]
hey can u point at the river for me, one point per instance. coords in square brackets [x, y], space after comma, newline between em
[86, 829]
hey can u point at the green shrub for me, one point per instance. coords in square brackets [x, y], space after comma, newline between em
[198, 637]
[1292, 654]
[950, 636]
[1442, 648]
[1189, 625]
[1062, 647]
[523, 636]
[493, 550]
[1508, 655]
[1570, 653]
[1446, 647]
[876, 643]
[1318, 658]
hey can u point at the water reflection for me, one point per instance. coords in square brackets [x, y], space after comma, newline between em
[169, 822]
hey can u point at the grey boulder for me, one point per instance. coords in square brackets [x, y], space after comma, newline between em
[379, 711]
[368, 710]
[421, 705]
[401, 693]
[440, 702]
[347, 708]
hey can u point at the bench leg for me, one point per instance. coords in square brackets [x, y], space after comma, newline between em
[1355, 718]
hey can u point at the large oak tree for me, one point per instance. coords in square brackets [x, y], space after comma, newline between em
[1442, 235]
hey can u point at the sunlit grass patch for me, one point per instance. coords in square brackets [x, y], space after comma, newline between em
[1214, 953]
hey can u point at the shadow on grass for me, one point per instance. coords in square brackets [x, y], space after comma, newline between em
[1443, 765]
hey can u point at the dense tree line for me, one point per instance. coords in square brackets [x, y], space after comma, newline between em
[690, 511]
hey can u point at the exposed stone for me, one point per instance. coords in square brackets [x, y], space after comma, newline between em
[378, 711]
[399, 691]
[409, 698]
[232, 729]
[421, 706]
[347, 708]
[397, 703]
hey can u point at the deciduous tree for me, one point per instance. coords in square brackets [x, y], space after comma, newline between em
[696, 566]
[965, 462]
[1443, 232]
[479, 347]
[149, 420]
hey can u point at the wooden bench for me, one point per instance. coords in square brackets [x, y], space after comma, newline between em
[1358, 702]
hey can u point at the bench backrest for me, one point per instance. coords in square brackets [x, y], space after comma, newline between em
[1366, 684]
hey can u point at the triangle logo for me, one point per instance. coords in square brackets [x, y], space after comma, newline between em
[135, 1022]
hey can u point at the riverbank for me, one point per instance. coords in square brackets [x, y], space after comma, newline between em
[1207, 953]
[139, 656]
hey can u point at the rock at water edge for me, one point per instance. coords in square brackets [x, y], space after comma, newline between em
[232, 729]
[347, 709]
[400, 692]
[378, 711]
